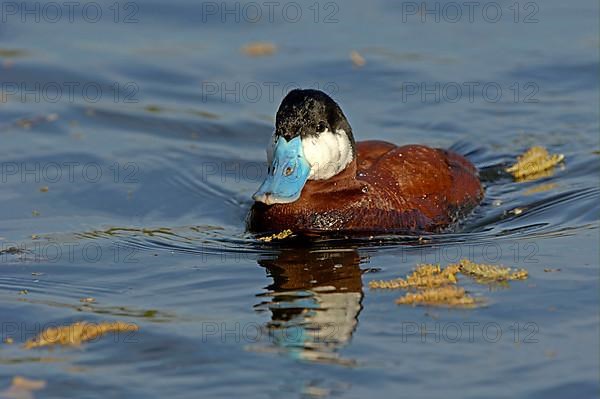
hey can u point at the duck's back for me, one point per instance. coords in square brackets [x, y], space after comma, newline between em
[439, 184]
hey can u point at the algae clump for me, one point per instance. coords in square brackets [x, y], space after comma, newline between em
[77, 333]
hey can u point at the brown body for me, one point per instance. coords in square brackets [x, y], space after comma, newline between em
[388, 189]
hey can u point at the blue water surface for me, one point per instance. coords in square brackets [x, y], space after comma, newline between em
[133, 135]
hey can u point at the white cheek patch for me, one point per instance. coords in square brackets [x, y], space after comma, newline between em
[327, 154]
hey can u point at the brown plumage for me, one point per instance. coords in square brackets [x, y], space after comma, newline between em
[408, 189]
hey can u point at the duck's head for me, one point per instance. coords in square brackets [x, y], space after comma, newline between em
[312, 141]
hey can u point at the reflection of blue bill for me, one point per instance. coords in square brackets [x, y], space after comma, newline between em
[325, 326]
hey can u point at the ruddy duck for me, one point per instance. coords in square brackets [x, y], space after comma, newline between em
[319, 180]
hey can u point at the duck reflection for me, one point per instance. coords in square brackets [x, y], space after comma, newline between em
[314, 302]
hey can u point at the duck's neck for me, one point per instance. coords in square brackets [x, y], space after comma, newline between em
[344, 180]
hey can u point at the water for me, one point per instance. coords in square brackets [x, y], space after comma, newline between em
[150, 161]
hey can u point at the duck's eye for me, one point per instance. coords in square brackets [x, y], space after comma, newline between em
[288, 171]
[321, 127]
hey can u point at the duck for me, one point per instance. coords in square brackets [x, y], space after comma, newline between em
[319, 180]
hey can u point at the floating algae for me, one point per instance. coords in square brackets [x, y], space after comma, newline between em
[489, 273]
[23, 388]
[12, 53]
[437, 287]
[450, 296]
[424, 276]
[259, 49]
[534, 164]
[77, 333]
[278, 236]
[357, 59]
